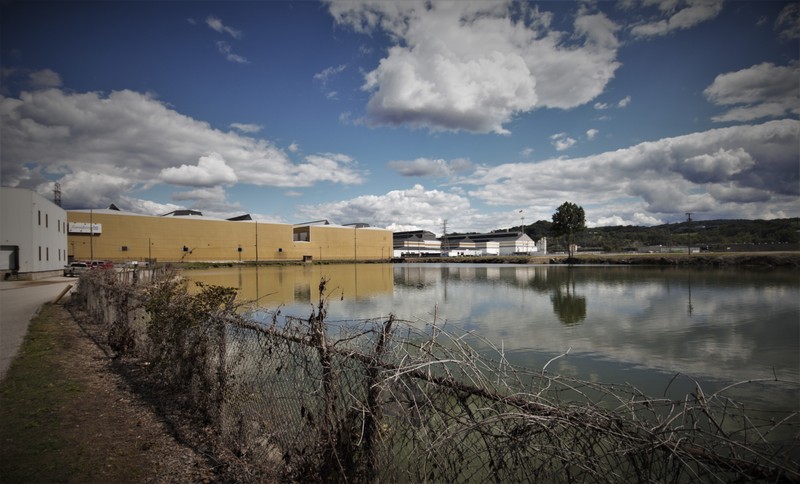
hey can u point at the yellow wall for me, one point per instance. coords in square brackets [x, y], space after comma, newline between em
[163, 239]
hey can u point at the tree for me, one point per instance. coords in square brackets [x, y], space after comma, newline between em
[568, 220]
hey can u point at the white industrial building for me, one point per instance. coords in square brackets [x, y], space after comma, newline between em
[415, 243]
[424, 243]
[33, 235]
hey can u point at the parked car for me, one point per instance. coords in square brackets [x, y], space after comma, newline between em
[101, 264]
[75, 269]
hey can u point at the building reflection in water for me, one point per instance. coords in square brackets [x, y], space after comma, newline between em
[272, 286]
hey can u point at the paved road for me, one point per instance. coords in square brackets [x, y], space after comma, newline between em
[20, 301]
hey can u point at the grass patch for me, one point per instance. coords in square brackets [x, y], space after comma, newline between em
[31, 397]
[68, 414]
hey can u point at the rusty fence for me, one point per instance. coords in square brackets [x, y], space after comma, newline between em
[383, 400]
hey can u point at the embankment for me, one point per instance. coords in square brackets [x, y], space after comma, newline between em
[714, 259]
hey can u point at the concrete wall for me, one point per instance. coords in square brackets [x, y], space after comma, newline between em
[125, 237]
[35, 229]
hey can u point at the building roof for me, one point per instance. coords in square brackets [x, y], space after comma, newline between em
[414, 234]
[184, 213]
[493, 236]
[314, 222]
[240, 218]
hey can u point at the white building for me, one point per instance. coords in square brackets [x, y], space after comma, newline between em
[425, 243]
[416, 243]
[33, 235]
[508, 243]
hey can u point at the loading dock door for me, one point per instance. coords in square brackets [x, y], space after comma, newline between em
[9, 257]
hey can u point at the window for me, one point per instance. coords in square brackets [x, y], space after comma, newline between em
[124, 248]
[301, 234]
[47, 220]
[40, 253]
[47, 253]
[40, 219]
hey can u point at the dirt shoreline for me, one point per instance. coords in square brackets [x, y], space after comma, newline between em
[715, 259]
[66, 415]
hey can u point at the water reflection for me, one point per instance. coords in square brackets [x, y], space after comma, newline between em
[299, 284]
[570, 308]
[619, 323]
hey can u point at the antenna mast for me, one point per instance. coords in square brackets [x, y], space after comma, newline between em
[57, 194]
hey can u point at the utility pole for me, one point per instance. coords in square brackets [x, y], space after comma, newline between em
[689, 233]
[444, 247]
[91, 234]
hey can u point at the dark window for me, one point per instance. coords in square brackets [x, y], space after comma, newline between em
[40, 217]
[40, 252]
[124, 248]
[47, 220]
[47, 252]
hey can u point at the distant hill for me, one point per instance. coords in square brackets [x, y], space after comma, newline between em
[777, 234]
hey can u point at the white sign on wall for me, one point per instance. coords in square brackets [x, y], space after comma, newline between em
[84, 228]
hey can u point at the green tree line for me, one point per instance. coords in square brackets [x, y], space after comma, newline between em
[709, 234]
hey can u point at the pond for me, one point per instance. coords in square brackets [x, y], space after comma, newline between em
[616, 324]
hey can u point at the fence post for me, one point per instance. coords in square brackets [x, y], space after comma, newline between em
[331, 465]
[374, 415]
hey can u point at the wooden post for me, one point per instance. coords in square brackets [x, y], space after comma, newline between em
[66, 289]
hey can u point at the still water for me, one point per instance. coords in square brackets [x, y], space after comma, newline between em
[637, 325]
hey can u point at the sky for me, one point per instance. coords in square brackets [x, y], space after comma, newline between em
[406, 115]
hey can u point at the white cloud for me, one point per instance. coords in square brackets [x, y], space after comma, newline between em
[713, 171]
[472, 66]
[247, 128]
[638, 218]
[226, 49]
[718, 166]
[331, 167]
[788, 22]
[763, 90]
[328, 73]
[293, 148]
[562, 142]
[211, 201]
[624, 102]
[690, 13]
[600, 106]
[426, 167]
[210, 170]
[591, 133]
[131, 137]
[411, 209]
[217, 25]
[45, 78]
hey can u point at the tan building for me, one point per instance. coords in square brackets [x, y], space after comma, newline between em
[119, 236]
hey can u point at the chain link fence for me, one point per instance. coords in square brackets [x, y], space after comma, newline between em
[383, 400]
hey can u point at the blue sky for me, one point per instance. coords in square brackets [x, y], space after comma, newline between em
[406, 114]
